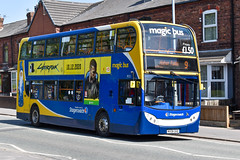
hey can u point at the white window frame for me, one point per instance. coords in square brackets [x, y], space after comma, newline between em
[210, 79]
[211, 25]
[13, 78]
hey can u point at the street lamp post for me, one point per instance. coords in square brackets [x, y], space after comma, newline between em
[173, 11]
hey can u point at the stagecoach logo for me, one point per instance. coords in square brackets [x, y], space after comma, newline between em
[79, 110]
[174, 114]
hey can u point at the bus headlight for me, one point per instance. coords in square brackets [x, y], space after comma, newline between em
[194, 117]
[151, 118]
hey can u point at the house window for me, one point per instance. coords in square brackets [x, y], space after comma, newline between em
[210, 26]
[218, 82]
[204, 80]
[5, 54]
[14, 81]
[214, 80]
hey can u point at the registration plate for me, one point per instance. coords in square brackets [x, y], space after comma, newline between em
[173, 131]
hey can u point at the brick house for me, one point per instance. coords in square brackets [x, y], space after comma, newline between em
[10, 36]
[214, 21]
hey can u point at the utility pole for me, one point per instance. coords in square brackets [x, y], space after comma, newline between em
[175, 101]
[173, 11]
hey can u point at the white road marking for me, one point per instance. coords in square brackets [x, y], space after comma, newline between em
[107, 141]
[142, 145]
[35, 153]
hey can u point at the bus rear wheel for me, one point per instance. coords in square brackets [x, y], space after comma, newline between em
[102, 124]
[35, 116]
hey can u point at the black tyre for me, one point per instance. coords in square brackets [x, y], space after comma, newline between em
[102, 124]
[35, 116]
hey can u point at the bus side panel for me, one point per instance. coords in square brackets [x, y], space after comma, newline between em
[69, 114]
[123, 118]
[23, 116]
[76, 123]
[22, 103]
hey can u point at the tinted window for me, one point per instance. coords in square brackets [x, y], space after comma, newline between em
[129, 92]
[50, 90]
[26, 50]
[168, 39]
[105, 41]
[79, 91]
[52, 48]
[36, 89]
[68, 46]
[66, 90]
[85, 43]
[126, 38]
[38, 49]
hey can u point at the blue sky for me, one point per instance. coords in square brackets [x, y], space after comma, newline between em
[15, 10]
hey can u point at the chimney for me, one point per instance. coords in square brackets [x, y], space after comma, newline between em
[29, 17]
[1, 23]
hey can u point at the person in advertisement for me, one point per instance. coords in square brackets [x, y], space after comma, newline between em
[20, 86]
[91, 82]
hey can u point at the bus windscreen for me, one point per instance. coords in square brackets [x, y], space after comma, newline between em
[167, 39]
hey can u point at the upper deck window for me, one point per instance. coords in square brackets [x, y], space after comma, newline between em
[38, 49]
[85, 44]
[126, 39]
[105, 41]
[26, 50]
[68, 46]
[52, 48]
[167, 39]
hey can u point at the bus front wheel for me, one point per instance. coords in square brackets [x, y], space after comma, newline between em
[102, 124]
[35, 116]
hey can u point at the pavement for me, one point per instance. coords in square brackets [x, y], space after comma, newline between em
[214, 133]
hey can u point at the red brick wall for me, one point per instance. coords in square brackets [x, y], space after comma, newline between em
[41, 24]
[186, 13]
[12, 50]
[237, 51]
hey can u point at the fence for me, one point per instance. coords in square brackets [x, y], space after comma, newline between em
[215, 116]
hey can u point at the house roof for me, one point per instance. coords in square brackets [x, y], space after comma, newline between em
[115, 7]
[215, 56]
[14, 28]
[62, 11]
[65, 12]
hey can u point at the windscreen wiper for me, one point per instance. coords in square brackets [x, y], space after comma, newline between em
[160, 75]
[184, 79]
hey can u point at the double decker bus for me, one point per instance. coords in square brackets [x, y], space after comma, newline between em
[136, 77]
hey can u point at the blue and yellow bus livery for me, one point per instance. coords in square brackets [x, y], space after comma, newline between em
[131, 78]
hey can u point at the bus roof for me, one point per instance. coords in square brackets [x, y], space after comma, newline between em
[92, 29]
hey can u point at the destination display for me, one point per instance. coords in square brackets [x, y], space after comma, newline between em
[171, 63]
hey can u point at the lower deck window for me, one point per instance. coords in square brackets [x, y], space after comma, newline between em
[50, 90]
[36, 89]
[56, 90]
[129, 92]
[66, 90]
[79, 91]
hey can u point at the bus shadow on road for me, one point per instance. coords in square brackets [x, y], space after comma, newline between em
[148, 138]
[121, 137]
